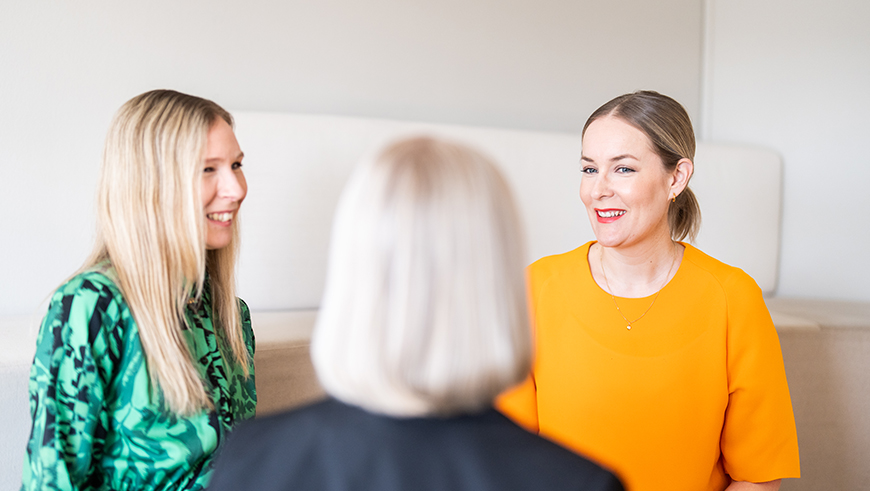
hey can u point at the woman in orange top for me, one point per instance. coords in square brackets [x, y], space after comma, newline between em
[652, 357]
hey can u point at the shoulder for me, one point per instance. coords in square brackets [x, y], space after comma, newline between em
[244, 310]
[557, 262]
[732, 280]
[85, 308]
[548, 267]
[555, 466]
[244, 315]
[297, 422]
[297, 448]
[90, 297]
[247, 329]
[87, 317]
[291, 434]
[89, 284]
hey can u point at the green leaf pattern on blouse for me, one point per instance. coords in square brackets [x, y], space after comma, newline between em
[96, 421]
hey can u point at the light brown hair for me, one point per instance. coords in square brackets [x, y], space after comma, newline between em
[668, 126]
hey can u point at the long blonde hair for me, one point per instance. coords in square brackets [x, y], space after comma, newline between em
[151, 231]
[425, 304]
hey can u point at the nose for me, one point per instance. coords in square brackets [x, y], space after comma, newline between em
[601, 186]
[232, 185]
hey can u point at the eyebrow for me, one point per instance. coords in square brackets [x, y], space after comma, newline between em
[240, 156]
[614, 159]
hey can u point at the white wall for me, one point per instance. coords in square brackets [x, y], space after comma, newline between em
[67, 66]
[794, 75]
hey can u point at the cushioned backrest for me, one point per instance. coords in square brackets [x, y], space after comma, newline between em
[739, 189]
[296, 166]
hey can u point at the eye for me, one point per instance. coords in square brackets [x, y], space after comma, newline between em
[588, 170]
[206, 170]
[624, 170]
[237, 165]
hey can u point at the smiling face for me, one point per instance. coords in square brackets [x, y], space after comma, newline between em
[625, 187]
[223, 184]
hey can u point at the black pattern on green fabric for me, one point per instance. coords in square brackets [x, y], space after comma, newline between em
[97, 423]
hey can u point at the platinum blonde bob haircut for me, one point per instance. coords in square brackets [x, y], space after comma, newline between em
[151, 237]
[424, 311]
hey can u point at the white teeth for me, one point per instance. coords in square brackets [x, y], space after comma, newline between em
[220, 217]
[610, 214]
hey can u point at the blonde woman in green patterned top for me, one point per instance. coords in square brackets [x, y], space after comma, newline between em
[144, 360]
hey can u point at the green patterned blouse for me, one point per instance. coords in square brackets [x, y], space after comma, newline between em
[96, 424]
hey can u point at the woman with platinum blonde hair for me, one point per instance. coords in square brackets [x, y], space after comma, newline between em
[423, 323]
[144, 360]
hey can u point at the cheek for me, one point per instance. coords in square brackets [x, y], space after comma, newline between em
[585, 192]
[207, 192]
[642, 193]
[243, 184]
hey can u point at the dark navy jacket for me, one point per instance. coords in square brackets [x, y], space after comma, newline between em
[332, 446]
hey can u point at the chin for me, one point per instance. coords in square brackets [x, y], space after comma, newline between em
[215, 244]
[608, 243]
[218, 238]
[608, 239]
[611, 241]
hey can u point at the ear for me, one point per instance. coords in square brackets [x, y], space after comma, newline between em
[681, 175]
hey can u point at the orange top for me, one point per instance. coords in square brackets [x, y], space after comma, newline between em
[694, 393]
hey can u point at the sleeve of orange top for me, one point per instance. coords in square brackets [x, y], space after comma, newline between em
[759, 440]
[520, 403]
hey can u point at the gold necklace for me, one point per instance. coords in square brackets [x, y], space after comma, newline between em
[601, 261]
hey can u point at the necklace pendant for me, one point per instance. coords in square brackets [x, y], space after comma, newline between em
[628, 327]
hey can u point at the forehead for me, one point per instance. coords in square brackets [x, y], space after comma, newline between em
[221, 140]
[611, 136]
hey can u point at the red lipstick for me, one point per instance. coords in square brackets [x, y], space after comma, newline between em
[611, 214]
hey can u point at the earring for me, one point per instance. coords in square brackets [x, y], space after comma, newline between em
[675, 198]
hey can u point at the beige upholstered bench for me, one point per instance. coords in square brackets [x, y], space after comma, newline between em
[825, 345]
[284, 373]
[827, 361]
